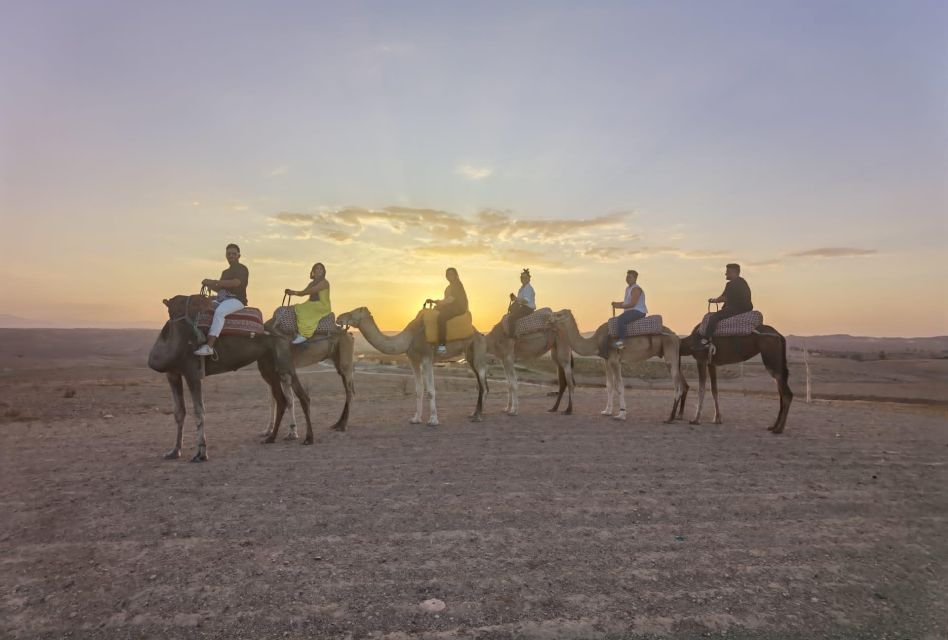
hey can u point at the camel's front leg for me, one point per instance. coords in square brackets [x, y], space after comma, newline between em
[619, 384]
[702, 383]
[177, 393]
[609, 384]
[197, 399]
[677, 379]
[419, 391]
[292, 435]
[269, 429]
[713, 374]
[300, 390]
[428, 367]
[513, 402]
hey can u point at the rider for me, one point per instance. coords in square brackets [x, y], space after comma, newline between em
[736, 299]
[634, 305]
[231, 296]
[522, 304]
[308, 314]
[452, 305]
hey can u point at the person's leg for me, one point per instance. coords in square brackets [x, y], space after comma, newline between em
[515, 313]
[716, 318]
[445, 314]
[224, 308]
[625, 319]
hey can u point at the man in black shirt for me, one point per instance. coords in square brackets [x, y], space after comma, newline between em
[736, 299]
[231, 296]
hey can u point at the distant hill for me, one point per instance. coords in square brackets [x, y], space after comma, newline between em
[844, 343]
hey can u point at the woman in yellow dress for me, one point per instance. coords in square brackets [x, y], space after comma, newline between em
[308, 314]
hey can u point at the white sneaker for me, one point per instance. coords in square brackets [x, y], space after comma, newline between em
[441, 350]
[299, 339]
[204, 350]
[618, 344]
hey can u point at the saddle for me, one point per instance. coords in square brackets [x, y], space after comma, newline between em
[742, 324]
[647, 326]
[284, 321]
[458, 327]
[537, 321]
[248, 322]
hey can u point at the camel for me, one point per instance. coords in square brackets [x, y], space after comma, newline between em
[637, 348]
[338, 347]
[530, 347]
[766, 341]
[411, 342]
[172, 354]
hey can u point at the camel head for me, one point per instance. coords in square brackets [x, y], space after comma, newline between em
[563, 317]
[179, 306]
[177, 338]
[353, 318]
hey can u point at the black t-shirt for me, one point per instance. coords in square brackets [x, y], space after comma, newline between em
[737, 295]
[237, 272]
[457, 292]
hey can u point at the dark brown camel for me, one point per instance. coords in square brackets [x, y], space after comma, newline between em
[766, 341]
[172, 354]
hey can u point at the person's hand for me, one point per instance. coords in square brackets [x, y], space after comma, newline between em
[712, 300]
[207, 282]
[616, 305]
[429, 301]
[512, 297]
[289, 292]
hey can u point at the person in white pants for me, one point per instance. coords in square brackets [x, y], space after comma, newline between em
[231, 296]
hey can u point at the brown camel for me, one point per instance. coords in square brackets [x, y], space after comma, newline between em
[421, 355]
[766, 341]
[530, 347]
[637, 348]
[338, 347]
[172, 354]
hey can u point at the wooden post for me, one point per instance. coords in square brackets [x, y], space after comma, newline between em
[806, 362]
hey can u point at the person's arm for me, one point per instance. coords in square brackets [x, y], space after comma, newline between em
[721, 298]
[311, 289]
[636, 294]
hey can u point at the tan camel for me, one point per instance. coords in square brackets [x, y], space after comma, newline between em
[530, 347]
[637, 348]
[421, 355]
[338, 347]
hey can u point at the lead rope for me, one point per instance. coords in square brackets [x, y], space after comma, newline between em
[711, 348]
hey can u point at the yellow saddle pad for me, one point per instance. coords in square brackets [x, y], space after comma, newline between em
[459, 327]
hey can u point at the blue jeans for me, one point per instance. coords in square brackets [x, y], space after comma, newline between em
[626, 318]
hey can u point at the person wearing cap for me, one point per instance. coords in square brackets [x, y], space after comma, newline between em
[522, 304]
[633, 305]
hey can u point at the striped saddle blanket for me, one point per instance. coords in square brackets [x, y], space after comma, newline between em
[247, 322]
[285, 321]
[647, 326]
[537, 321]
[743, 324]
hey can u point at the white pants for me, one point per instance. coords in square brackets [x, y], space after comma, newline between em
[223, 309]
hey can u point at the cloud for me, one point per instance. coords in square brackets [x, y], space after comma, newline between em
[473, 173]
[294, 219]
[279, 171]
[832, 252]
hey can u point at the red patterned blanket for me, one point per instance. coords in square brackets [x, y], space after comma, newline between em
[247, 322]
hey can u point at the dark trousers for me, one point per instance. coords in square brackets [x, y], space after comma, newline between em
[623, 320]
[717, 316]
[445, 313]
[514, 312]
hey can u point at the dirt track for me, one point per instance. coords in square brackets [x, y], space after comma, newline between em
[538, 526]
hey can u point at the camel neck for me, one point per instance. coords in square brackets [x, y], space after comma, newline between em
[582, 346]
[389, 345]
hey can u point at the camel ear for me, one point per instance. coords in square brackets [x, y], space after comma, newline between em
[167, 304]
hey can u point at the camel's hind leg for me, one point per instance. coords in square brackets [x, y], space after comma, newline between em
[280, 399]
[419, 390]
[177, 394]
[510, 372]
[672, 358]
[702, 383]
[610, 384]
[197, 400]
[428, 369]
[776, 363]
[303, 397]
[566, 370]
[343, 359]
[477, 358]
[563, 384]
[272, 401]
[618, 386]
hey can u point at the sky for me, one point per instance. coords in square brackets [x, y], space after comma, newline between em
[807, 141]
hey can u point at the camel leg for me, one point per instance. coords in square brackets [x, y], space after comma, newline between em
[607, 370]
[272, 401]
[618, 386]
[713, 374]
[566, 371]
[776, 363]
[702, 383]
[674, 368]
[476, 361]
[428, 369]
[280, 399]
[292, 434]
[419, 391]
[177, 394]
[513, 401]
[303, 397]
[563, 382]
[684, 393]
[344, 366]
[197, 400]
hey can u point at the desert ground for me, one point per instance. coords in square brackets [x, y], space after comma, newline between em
[537, 526]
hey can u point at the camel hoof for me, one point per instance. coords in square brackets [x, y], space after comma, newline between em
[475, 417]
[415, 421]
[269, 440]
[669, 421]
[718, 421]
[619, 416]
[605, 412]
[265, 434]
[338, 427]
[433, 423]
[553, 410]
[307, 441]
[199, 457]
[568, 412]
[511, 413]
[292, 435]
[174, 454]
[694, 422]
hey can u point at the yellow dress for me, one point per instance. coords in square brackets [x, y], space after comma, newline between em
[308, 314]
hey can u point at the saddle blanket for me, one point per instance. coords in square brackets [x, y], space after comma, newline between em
[285, 321]
[647, 326]
[247, 322]
[740, 325]
[458, 327]
[539, 320]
